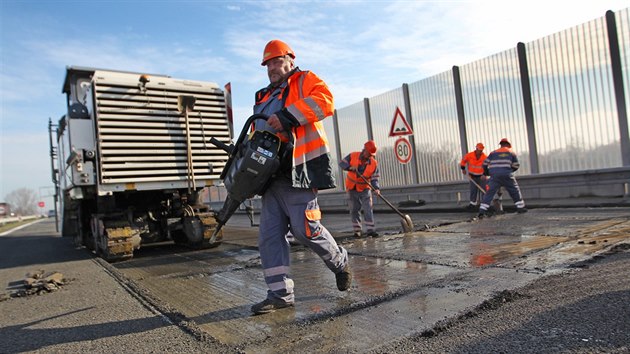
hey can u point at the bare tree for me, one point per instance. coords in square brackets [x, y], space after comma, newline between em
[23, 201]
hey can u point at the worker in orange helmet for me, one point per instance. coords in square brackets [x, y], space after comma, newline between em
[295, 103]
[473, 161]
[359, 192]
[500, 166]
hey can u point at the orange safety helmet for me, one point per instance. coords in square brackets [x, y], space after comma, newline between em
[370, 146]
[480, 146]
[505, 141]
[276, 48]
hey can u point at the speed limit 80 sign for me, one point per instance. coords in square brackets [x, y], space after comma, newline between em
[403, 151]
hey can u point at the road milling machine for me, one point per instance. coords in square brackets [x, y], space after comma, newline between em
[131, 157]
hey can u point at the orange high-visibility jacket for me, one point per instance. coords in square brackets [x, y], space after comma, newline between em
[307, 101]
[475, 165]
[353, 181]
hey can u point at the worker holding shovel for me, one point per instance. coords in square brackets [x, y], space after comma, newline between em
[362, 163]
[473, 161]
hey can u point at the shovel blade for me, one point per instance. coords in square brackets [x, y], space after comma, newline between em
[407, 224]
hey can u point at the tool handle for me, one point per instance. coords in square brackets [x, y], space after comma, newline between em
[239, 141]
[221, 145]
[379, 194]
[475, 183]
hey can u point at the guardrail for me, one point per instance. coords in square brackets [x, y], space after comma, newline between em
[4, 221]
[613, 182]
[607, 183]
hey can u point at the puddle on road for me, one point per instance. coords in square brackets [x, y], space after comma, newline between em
[588, 241]
[405, 283]
[454, 249]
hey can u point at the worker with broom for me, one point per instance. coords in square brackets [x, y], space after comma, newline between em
[473, 161]
[362, 167]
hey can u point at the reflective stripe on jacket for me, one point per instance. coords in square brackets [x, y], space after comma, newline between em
[353, 181]
[475, 165]
[307, 101]
[501, 162]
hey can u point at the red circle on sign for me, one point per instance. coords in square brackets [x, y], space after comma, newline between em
[41, 204]
[403, 151]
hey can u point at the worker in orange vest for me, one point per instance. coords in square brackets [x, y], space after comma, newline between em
[295, 103]
[473, 161]
[359, 192]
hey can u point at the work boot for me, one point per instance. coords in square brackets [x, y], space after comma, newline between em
[269, 305]
[372, 233]
[357, 234]
[344, 279]
[521, 210]
[482, 214]
[471, 207]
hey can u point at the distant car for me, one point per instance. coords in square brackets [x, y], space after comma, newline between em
[51, 213]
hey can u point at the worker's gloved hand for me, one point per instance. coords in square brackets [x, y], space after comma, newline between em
[377, 191]
[274, 122]
[352, 168]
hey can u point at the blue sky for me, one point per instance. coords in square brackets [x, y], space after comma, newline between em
[360, 48]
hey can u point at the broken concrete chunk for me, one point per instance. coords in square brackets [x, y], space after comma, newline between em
[37, 282]
[55, 278]
[35, 275]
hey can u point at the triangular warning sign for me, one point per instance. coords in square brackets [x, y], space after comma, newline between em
[399, 125]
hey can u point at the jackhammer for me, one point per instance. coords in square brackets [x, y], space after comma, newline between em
[252, 161]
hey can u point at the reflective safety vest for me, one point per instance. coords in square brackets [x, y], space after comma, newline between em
[306, 101]
[475, 165]
[353, 181]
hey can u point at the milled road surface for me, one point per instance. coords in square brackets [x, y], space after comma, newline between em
[512, 283]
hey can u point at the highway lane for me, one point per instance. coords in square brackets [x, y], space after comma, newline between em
[404, 286]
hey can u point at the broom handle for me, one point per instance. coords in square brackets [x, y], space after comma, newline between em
[475, 183]
[379, 194]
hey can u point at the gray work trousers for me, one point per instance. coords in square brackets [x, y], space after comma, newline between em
[358, 201]
[284, 207]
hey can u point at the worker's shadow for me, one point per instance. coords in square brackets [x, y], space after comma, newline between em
[31, 336]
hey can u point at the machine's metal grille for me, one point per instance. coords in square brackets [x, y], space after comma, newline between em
[142, 133]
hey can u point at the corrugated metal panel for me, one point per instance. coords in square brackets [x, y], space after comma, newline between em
[330, 134]
[436, 130]
[493, 104]
[622, 18]
[352, 128]
[574, 108]
[142, 135]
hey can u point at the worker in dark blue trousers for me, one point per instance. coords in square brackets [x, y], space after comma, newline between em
[500, 165]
